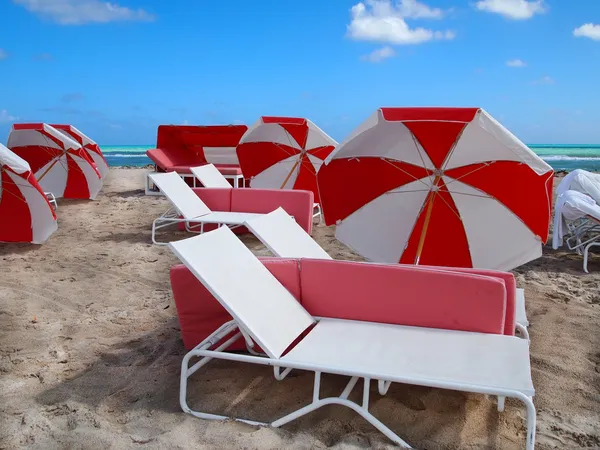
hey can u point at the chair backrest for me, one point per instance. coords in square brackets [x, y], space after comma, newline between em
[258, 302]
[210, 177]
[282, 235]
[183, 198]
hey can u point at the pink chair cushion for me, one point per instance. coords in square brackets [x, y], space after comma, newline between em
[176, 160]
[182, 168]
[511, 292]
[217, 199]
[404, 295]
[295, 202]
[161, 158]
[200, 313]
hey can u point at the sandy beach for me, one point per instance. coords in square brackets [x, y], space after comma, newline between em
[90, 353]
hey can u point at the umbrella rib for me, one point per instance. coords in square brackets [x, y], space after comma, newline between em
[450, 207]
[405, 172]
[472, 195]
[450, 153]
[485, 164]
[15, 195]
[489, 197]
[281, 147]
[419, 151]
[56, 159]
[406, 192]
[285, 151]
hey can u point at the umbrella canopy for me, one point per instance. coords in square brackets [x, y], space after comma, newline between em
[59, 163]
[93, 150]
[284, 153]
[438, 186]
[26, 214]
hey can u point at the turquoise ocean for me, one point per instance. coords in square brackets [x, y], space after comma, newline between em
[560, 157]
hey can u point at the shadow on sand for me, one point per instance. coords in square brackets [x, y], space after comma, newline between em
[143, 374]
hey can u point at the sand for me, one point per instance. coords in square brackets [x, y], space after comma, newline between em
[90, 353]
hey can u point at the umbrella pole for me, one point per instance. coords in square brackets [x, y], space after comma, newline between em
[291, 172]
[424, 232]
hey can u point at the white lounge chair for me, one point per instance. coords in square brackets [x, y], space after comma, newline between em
[189, 209]
[266, 313]
[280, 233]
[576, 221]
[210, 177]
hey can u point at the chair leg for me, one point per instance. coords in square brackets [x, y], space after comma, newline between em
[318, 212]
[154, 227]
[342, 400]
[531, 423]
[586, 251]
[163, 222]
[522, 330]
[501, 403]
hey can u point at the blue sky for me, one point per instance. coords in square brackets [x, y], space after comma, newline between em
[118, 70]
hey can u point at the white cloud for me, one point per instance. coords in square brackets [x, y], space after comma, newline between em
[589, 30]
[516, 63]
[379, 54]
[544, 80]
[5, 117]
[3, 54]
[414, 10]
[512, 9]
[382, 21]
[79, 12]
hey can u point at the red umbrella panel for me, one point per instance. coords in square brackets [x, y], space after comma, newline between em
[284, 153]
[26, 214]
[438, 186]
[93, 150]
[59, 163]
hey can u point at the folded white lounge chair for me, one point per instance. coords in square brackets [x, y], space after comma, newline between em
[188, 208]
[280, 233]
[264, 312]
[576, 221]
[210, 177]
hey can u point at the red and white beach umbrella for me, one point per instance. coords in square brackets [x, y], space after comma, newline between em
[60, 164]
[438, 186]
[284, 153]
[25, 214]
[93, 150]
